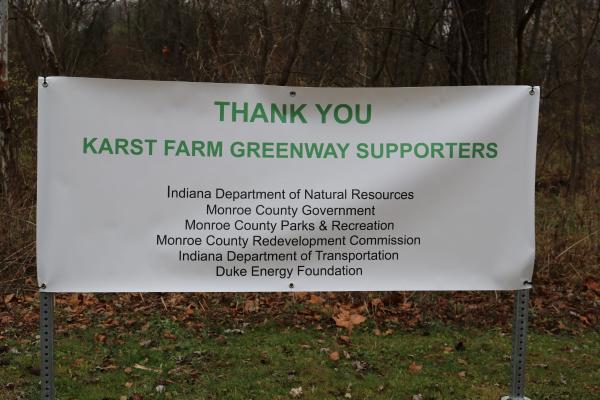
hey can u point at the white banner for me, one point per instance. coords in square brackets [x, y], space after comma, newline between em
[181, 187]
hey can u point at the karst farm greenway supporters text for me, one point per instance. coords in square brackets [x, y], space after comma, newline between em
[285, 114]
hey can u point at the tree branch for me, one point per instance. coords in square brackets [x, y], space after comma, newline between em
[293, 54]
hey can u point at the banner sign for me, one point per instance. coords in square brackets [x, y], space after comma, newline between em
[179, 187]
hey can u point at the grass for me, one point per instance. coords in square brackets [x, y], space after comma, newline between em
[265, 360]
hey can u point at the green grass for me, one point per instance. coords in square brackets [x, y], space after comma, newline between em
[268, 359]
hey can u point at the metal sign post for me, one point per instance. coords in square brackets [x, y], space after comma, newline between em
[47, 344]
[519, 346]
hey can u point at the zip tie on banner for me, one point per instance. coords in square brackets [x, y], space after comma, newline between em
[45, 83]
[532, 90]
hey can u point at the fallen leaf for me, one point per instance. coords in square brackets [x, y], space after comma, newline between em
[359, 365]
[562, 326]
[296, 392]
[357, 319]
[264, 357]
[315, 299]
[100, 338]
[414, 368]
[144, 368]
[78, 362]
[346, 318]
[251, 305]
[345, 339]
[591, 284]
[74, 299]
[584, 319]
[462, 374]
[376, 302]
[343, 322]
[189, 311]
[221, 340]
[334, 356]
[169, 335]
[235, 330]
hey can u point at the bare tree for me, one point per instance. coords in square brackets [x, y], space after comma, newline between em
[5, 123]
[27, 13]
[583, 43]
[303, 9]
[523, 18]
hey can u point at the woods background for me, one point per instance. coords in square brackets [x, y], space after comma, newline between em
[552, 43]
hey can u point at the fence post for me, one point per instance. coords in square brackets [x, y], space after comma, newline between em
[47, 345]
[519, 346]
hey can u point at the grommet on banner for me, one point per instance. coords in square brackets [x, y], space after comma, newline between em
[532, 90]
[528, 284]
[45, 83]
[293, 94]
[43, 286]
[291, 285]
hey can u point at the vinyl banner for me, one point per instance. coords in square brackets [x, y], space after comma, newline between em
[176, 187]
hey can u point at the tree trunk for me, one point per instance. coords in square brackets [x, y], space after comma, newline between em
[50, 59]
[577, 175]
[522, 19]
[5, 125]
[471, 17]
[303, 9]
[577, 154]
[501, 42]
